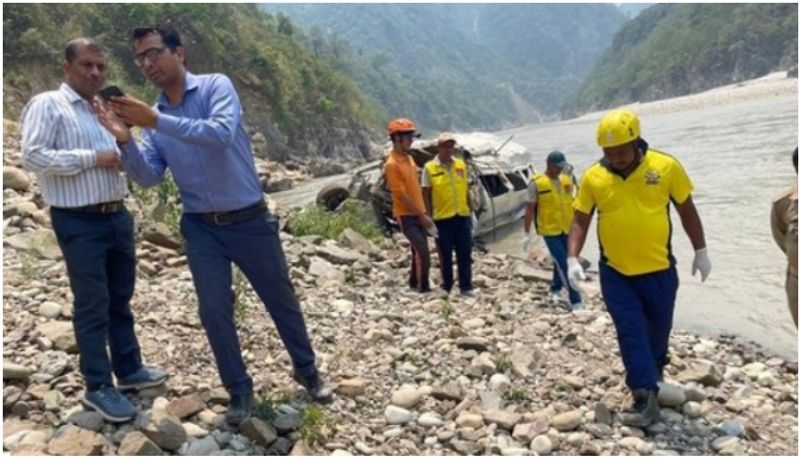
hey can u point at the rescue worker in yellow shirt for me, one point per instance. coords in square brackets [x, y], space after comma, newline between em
[445, 186]
[550, 196]
[784, 231]
[632, 188]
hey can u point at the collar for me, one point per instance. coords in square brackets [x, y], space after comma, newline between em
[190, 83]
[642, 145]
[70, 93]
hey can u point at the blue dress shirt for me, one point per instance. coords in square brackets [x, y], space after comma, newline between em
[204, 143]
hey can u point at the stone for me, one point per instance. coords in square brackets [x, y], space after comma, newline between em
[523, 360]
[670, 395]
[695, 394]
[281, 446]
[397, 415]
[600, 430]
[35, 438]
[137, 444]
[472, 343]
[49, 309]
[406, 397]
[52, 400]
[766, 378]
[703, 372]
[259, 432]
[338, 255]
[13, 371]
[469, 420]
[724, 442]
[11, 394]
[349, 238]
[193, 430]
[542, 445]
[186, 406]
[753, 370]
[202, 447]
[502, 418]
[287, 423]
[732, 428]
[61, 333]
[525, 432]
[161, 235]
[574, 381]
[343, 306]
[325, 271]
[351, 387]
[577, 439]
[500, 383]
[16, 179]
[692, 409]
[602, 414]
[451, 391]
[637, 444]
[41, 241]
[466, 447]
[567, 421]
[54, 363]
[429, 419]
[482, 365]
[72, 440]
[164, 429]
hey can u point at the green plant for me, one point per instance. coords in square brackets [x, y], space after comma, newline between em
[316, 425]
[350, 275]
[314, 220]
[516, 395]
[502, 364]
[447, 310]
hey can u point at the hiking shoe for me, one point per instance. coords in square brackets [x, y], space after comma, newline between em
[577, 306]
[470, 293]
[316, 388]
[145, 377]
[110, 404]
[554, 297]
[645, 409]
[240, 408]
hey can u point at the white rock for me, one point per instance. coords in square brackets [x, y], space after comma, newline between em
[406, 397]
[670, 395]
[542, 445]
[692, 409]
[397, 415]
[429, 419]
[343, 306]
[49, 309]
[499, 383]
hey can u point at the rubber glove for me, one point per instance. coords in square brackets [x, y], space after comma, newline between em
[575, 271]
[526, 242]
[702, 263]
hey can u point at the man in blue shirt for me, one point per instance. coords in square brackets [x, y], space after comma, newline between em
[197, 130]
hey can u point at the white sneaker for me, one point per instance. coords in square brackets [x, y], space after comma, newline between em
[577, 306]
[554, 298]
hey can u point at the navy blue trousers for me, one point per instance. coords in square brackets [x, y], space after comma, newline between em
[455, 233]
[255, 247]
[101, 263]
[557, 245]
[419, 275]
[641, 307]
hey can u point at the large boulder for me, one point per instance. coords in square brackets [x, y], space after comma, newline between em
[61, 334]
[163, 429]
[41, 242]
[72, 440]
[137, 444]
[15, 179]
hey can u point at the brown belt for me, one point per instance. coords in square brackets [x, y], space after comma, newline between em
[234, 216]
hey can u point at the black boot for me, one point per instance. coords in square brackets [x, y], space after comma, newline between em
[645, 409]
[315, 387]
[239, 408]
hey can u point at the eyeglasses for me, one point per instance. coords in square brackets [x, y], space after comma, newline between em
[149, 55]
[411, 134]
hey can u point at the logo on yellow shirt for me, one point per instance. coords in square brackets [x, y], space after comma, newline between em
[652, 177]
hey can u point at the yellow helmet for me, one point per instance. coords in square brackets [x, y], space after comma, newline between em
[618, 127]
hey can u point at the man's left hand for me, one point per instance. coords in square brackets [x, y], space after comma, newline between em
[134, 111]
[702, 263]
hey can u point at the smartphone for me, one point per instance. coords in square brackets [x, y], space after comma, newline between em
[110, 91]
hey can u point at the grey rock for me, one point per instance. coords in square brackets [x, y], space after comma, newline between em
[472, 343]
[162, 428]
[724, 442]
[670, 395]
[202, 447]
[542, 445]
[451, 391]
[567, 421]
[397, 415]
[161, 235]
[41, 241]
[257, 431]
[92, 421]
[602, 414]
[703, 372]
[61, 333]
[281, 446]
[287, 423]
[13, 371]
[502, 418]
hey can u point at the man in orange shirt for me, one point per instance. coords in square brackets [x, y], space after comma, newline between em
[408, 207]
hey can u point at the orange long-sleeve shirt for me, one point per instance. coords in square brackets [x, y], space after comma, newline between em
[402, 176]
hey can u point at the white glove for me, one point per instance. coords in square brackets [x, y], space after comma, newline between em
[702, 263]
[575, 271]
[526, 242]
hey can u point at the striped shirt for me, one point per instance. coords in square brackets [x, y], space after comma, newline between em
[60, 138]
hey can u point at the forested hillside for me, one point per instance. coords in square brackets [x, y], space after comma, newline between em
[675, 49]
[461, 66]
[302, 106]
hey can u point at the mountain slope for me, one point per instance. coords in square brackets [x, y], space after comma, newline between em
[676, 49]
[303, 107]
[465, 65]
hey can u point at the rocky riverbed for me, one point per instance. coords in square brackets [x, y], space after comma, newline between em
[504, 374]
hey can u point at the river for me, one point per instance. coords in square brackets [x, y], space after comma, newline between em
[738, 156]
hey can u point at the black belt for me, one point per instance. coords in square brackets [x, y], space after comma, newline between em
[104, 208]
[234, 216]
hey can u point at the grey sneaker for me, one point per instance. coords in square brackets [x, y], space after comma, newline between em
[145, 377]
[110, 404]
[577, 306]
[470, 293]
[316, 388]
[239, 408]
[645, 409]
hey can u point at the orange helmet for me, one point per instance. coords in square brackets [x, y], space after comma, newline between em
[400, 125]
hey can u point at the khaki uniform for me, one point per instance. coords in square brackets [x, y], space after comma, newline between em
[784, 231]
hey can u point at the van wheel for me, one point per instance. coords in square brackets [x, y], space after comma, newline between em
[331, 196]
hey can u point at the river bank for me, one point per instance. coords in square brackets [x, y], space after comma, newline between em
[415, 375]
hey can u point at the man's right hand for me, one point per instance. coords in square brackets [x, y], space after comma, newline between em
[426, 221]
[111, 122]
[108, 158]
[575, 271]
[526, 242]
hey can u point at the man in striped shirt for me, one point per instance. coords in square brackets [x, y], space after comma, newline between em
[77, 165]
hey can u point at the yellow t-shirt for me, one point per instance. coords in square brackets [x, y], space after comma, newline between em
[633, 224]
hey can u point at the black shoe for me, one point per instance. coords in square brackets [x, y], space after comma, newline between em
[239, 408]
[645, 409]
[316, 388]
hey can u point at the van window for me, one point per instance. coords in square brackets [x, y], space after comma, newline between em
[494, 185]
[517, 181]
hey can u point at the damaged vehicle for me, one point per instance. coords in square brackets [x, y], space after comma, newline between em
[498, 190]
